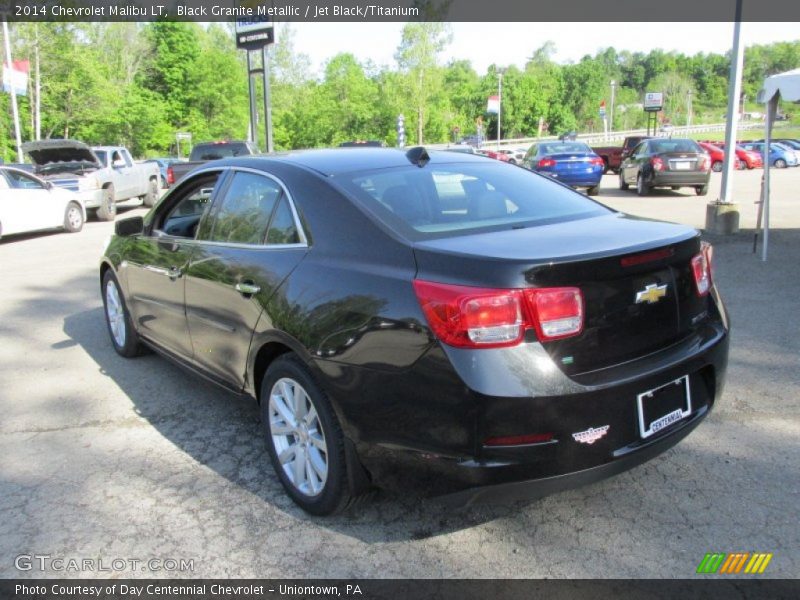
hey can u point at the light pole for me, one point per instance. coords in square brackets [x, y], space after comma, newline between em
[689, 108]
[611, 108]
[500, 72]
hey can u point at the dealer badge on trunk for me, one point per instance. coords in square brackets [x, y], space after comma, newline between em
[591, 435]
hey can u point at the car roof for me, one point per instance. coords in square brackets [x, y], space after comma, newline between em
[334, 161]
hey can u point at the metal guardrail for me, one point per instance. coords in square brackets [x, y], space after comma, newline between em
[615, 136]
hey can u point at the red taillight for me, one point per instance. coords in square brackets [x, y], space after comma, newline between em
[702, 269]
[471, 317]
[519, 440]
[170, 176]
[645, 257]
[547, 162]
[657, 163]
[704, 163]
[556, 312]
[597, 161]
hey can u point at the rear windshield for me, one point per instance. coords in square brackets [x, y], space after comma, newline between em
[454, 199]
[217, 151]
[659, 146]
[563, 148]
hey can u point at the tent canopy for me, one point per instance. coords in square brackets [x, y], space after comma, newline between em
[783, 86]
[786, 84]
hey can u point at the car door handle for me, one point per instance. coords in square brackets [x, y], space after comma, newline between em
[247, 288]
[172, 272]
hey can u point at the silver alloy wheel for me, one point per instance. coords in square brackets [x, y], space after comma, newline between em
[74, 217]
[115, 314]
[298, 437]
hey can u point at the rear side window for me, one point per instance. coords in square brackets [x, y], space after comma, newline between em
[282, 229]
[452, 199]
[245, 210]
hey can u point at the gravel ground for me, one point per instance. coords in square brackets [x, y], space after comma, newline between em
[105, 458]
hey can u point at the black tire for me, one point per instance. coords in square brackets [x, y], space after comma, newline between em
[716, 166]
[73, 218]
[131, 346]
[641, 186]
[107, 210]
[701, 190]
[605, 165]
[335, 494]
[593, 191]
[622, 185]
[780, 163]
[151, 197]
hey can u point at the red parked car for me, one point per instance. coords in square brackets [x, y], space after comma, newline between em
[748, 158]
[494, 154]
[717, 155]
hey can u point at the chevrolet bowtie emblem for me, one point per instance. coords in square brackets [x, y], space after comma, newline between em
[651, 293]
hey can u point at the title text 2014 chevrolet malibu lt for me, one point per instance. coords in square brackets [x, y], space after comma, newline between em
[476, 324]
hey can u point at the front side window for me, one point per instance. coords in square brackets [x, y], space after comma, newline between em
[452, 199]
[183, 218]
[246, 209]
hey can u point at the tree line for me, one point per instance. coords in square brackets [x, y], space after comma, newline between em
[138, 84]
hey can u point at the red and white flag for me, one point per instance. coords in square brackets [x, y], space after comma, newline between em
[493, 106]
[15, 77]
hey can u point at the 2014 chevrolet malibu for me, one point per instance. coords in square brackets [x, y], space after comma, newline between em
[479, 325]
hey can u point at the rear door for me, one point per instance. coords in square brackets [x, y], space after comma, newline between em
[251, 244]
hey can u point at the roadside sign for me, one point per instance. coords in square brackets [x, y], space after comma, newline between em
[254, 34]
[493, 105]
[653, 101]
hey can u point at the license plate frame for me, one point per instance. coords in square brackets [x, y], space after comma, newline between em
[676, 394]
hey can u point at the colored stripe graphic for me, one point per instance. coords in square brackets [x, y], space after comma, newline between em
[733, 563]
[758, 563]
[711, 562]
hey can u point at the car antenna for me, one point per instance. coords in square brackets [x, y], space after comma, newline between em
[418, 156]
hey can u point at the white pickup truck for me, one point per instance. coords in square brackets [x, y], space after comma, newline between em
[102, 176]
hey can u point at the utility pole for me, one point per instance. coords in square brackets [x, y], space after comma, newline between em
[267, 100]
[722, 216]
[14, 107]
[38, 86]
[611, 108]
[500, 72]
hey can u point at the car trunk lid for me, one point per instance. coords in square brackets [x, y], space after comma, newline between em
[635, 276]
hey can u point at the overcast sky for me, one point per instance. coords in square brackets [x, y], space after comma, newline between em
[511, 43]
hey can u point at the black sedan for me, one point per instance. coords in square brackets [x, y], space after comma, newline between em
[672, 163]
[462, 321]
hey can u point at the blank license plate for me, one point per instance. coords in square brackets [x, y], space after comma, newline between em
[662, 406]
[682, 165]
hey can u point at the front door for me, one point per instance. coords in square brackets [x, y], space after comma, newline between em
[157, 264]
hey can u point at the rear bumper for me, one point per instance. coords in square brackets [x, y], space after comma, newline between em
[680, 178]
[538, 488]
[444, 465]
[579, 179]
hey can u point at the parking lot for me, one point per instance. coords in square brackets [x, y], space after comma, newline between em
[107, 458]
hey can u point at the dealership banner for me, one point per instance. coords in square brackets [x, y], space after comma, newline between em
[399, 10]
[15, 77]
[399, 589]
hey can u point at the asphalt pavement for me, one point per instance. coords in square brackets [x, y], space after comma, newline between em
[103, 458]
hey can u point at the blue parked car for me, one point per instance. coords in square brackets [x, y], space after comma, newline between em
[572, 163]
[780, 156]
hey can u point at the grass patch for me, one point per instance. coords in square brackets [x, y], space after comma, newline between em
[744, 135]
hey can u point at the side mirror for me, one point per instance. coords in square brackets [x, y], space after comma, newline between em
[129, 227]
[48, 185]
[118, 164]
